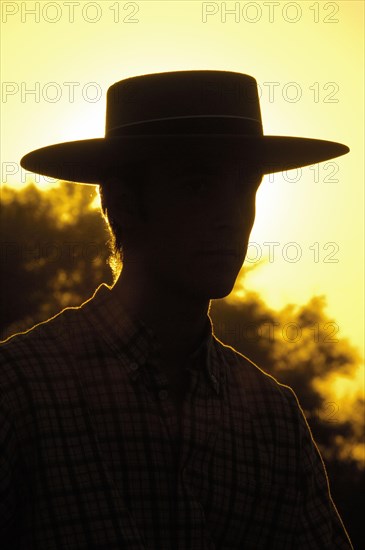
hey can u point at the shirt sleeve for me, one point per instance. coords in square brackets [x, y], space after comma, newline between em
[320, 526]
[8, 498]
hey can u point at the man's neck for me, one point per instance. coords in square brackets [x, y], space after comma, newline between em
[178, 321]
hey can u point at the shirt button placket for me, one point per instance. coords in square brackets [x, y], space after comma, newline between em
[163, 395]
[134, 368]
[215, 381]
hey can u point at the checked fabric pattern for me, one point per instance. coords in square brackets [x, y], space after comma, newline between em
[91, 456]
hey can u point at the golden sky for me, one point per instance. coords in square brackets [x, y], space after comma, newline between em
[58, 59]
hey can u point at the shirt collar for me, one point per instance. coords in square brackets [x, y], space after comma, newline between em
[136, 345]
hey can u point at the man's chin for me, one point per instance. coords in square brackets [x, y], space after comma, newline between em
[210, 281]
[222, 292]
[214, 289]
[217, 282]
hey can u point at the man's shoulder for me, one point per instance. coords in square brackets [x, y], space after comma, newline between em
[261, 389]
[54, 329]
[45, 345]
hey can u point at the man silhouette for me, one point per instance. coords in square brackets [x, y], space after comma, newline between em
[126, 422]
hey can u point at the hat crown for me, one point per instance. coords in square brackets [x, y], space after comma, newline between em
[199, 101]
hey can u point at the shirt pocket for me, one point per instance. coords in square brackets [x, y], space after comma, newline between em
[245, 514]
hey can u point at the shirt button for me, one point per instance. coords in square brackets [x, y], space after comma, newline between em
[163, 394]
[134, 366]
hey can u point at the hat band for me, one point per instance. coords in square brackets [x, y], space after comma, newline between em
[191, 124]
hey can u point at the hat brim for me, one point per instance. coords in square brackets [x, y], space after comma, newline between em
[85, 161]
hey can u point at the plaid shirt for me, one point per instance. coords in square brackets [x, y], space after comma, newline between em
[91, 458]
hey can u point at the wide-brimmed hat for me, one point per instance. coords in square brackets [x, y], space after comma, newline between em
[176, 115]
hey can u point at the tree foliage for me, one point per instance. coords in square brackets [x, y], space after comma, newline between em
[53, 252]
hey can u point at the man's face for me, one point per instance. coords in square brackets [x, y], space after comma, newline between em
[197, 223]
